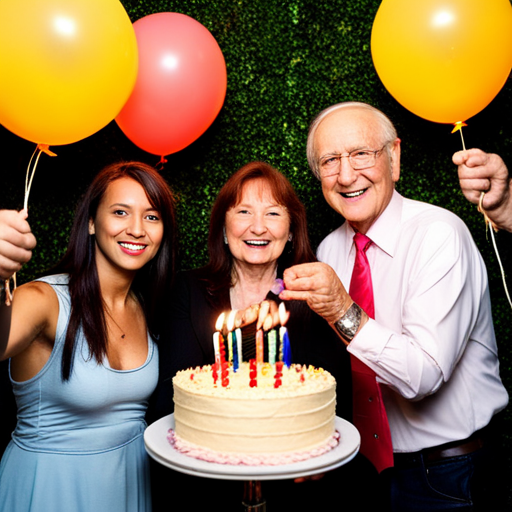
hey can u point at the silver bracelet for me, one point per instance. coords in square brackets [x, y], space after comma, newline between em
[349, 323]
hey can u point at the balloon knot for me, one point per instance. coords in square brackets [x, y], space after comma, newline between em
[161, 163]
[44, 148]
[458, 126]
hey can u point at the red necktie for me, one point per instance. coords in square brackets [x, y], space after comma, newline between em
[368, 408]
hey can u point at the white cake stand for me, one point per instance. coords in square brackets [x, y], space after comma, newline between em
[159, 448]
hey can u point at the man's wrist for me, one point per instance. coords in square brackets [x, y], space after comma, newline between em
[502, 216]
[348, 325]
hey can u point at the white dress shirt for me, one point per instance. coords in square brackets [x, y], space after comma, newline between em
[432, 342]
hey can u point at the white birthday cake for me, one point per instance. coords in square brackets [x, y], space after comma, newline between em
[260, 414]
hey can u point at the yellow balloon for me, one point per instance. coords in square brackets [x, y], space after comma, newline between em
[67, 67]
[444, 60]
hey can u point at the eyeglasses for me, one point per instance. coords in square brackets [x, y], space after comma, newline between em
[359, 159]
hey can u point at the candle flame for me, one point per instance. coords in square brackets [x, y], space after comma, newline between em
[263, 313]
[220, 322]
[283, 316]
[231, 319]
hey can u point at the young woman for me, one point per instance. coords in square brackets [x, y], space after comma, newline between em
[83, 362]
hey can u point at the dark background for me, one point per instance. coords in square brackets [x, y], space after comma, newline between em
[286, 60]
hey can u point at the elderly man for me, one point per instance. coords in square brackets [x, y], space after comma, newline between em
[485, 181]
[416, 318]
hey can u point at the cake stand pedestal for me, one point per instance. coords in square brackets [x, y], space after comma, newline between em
[159, 448]
[252, 499]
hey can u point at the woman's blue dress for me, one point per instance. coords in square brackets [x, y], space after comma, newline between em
[78, 444]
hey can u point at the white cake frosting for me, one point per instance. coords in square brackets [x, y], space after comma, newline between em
[297, 416]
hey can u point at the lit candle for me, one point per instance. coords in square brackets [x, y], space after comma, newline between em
[287, 349]
[230, 347]
[286, 355]
[230, 324]
[262, 317]
[272, 346]
[259, 346]
[222, 349]
[217, 342]
[238, 334]
[233, 348]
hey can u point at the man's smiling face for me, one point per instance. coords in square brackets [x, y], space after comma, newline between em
[359, 196]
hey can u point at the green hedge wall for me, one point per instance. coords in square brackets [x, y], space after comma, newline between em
[286, 60]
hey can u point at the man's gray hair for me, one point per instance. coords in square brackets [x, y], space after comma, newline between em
[388, 130]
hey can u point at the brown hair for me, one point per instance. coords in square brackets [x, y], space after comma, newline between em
[298, 250]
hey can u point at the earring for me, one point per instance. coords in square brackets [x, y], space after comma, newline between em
[225, 236]
[290, 237]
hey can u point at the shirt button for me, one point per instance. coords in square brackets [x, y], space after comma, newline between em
[376, 436]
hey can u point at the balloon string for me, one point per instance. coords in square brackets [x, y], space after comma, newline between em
[492, 228]
[503, 278]
[462, 139]
[29, 177]
[488, 222]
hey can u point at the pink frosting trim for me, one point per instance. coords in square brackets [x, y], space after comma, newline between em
[260, 459]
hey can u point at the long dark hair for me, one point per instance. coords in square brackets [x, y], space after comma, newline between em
[218, 270]
[151, 282]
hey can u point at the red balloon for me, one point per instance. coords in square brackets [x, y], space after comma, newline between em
[181, 84]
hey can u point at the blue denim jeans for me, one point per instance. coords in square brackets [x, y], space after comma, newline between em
[465, 483]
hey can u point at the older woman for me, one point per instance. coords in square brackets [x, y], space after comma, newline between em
[257, 229]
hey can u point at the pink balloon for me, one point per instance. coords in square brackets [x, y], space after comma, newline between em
[181, 84]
